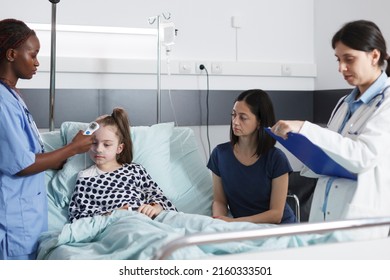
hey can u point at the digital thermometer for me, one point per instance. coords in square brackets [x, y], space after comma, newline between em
[92, 127]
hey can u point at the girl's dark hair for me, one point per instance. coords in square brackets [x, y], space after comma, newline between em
[13, 33]
[261, 106]
[120, 120]
[363, 35]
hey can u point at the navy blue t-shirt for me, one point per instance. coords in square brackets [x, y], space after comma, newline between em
[248, 188]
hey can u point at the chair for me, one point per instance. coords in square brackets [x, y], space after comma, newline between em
[300, 194]
[295, 205]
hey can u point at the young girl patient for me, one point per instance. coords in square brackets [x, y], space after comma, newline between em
[115, 182]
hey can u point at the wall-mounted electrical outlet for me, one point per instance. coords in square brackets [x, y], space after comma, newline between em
[216, 68]
[197, 67]
[286, 70]
[236, 21]
[185, 67]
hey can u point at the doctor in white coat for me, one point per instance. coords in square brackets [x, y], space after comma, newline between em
[358, 133]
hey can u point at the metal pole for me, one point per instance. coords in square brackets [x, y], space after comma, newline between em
[158, 71]
[151, 21]
[53, 62]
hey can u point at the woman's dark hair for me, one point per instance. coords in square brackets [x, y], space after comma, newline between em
[363, 35]
[120, 120]
[13, 33]
[261, 106]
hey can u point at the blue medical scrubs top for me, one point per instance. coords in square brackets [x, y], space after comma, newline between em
[248, 188]
[23, 200]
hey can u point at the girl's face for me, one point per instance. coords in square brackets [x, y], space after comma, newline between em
[244, 122]
[106, 146]
[359, 68]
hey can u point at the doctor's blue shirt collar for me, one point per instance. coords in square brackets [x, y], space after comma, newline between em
[370, 93]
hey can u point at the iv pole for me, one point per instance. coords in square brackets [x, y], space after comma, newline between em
[52, 62]
[151, 21]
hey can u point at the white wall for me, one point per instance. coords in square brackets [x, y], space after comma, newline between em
[272, 35]
[205, 32]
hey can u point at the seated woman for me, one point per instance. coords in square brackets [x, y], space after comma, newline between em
[250, 175]
[115, 182]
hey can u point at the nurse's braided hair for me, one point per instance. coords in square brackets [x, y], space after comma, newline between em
[120, 120]
[13, 33]
[363, 35]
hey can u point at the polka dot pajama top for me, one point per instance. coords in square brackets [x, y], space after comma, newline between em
[97, 192]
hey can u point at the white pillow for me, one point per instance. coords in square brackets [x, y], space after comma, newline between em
[151, 149]
[191, 185]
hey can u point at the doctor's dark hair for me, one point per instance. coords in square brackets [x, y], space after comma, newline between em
[13, 33]
[363, 35]
[120, 120]
[261, 106]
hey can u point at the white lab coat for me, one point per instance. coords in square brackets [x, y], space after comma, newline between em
[363, 147]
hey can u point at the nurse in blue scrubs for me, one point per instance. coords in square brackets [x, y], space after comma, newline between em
[23, 200]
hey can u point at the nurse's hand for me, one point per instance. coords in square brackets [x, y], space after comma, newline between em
[281, 128]
[82, 143]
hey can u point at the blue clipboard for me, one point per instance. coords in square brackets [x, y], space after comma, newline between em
[312, 156]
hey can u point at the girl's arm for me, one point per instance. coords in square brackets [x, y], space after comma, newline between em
[154, 194]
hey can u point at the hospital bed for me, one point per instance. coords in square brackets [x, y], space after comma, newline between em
[171, 156]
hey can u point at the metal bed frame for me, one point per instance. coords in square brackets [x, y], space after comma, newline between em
[284, 230]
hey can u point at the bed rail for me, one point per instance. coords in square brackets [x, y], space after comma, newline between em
[283, 230]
